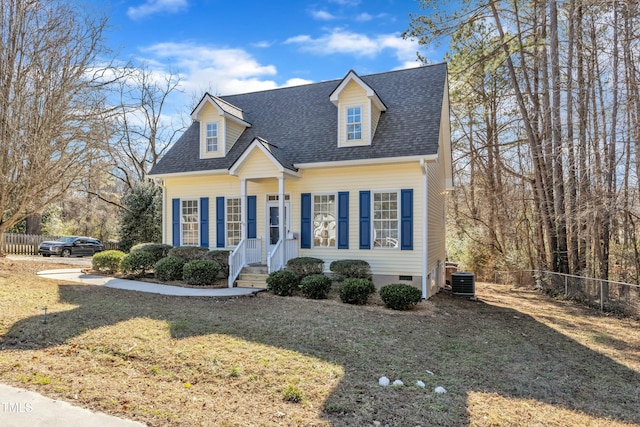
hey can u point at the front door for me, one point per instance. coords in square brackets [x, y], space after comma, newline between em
[273, 222]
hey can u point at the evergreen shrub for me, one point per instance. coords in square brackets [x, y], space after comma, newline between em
[356, 291]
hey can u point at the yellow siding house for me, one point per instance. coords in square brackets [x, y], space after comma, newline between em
[356, 168]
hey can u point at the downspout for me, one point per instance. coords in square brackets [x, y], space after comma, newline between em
[425, 227]
[160, 183]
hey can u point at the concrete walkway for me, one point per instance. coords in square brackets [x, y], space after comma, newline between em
[76, 275]
[19, 408]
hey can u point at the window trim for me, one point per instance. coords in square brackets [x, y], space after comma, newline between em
[197, 222]
[226, 220]
[206, 137]
[398, 220]
[335, 220]
[347, 124]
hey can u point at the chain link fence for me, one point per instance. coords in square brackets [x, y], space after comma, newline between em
[607, 295]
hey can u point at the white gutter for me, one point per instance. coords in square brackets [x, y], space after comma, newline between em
[367, 162]
[424, 166]
[187, 174]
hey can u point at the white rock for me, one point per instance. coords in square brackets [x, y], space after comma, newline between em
[420, 384]
[383, 381]
[398, 382]
[440, 390]
[429, 372]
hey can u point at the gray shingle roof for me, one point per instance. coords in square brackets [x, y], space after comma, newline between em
[301, 122]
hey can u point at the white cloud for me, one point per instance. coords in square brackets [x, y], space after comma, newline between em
[222, 71]
[346, 2]
[263, 44]
[156, 6]
[364, 17]
[322, 15]
[339, 41]
[297, 82]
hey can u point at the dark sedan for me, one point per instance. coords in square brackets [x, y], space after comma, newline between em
[71, 246]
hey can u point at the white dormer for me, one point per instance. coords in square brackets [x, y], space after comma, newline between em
[359, 110]
[221, 124]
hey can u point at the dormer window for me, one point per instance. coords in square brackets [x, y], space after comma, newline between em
[212, 138]
[354, 123]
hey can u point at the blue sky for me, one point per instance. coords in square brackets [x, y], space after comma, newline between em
[229, 47]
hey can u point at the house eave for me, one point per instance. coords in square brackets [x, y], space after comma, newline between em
[365, 162]
[189, 173]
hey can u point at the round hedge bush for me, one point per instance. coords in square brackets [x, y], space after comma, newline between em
[400, 296]
[316, 286]
[351, 268]
[107, 261]
[221, 257]
[137, 263]
[305, 266]
[158, 250]
[282, 282]
[356, 291]
[169, 268]
[188, 253]
[200, 272]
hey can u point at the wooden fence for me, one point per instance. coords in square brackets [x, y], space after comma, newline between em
[27, 244]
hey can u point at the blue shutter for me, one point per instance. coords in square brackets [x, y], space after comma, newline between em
[406, 220]
[343, 220]
[175, 221]
[220, 237]
[305, 221]
[251, 217]
[204, 222]
[365, 220]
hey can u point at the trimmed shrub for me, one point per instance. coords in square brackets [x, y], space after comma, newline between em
[169, 268]
[356, 291]
[200, 272]
[158, 250]
[351, 268]
[316, 286]
[188, 253]
[137, 263]
[282, 282]
[222, 259]
[107, 261]
[305, 266]
[400, 296]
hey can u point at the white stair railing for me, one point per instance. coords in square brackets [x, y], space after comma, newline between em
[275, 260]
[248, 251]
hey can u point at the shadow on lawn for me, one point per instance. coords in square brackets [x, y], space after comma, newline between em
[470, 346]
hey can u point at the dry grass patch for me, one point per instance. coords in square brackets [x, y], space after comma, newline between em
[512, 358]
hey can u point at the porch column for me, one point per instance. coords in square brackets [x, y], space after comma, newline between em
[282, 218]
[243, 209]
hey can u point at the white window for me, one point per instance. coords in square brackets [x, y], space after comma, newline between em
[324, 220]
[234, 221]
[385, 219]
[190, 223]
[212, 138]
[354, 123]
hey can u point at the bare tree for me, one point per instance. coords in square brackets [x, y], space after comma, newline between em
[51, 102]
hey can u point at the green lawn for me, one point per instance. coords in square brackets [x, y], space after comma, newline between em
[512, 358]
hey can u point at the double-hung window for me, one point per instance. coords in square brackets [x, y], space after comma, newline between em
[234, 221]
[190, 223]
[324, 220]
[354, 123]
[212, 138]
[385, 220]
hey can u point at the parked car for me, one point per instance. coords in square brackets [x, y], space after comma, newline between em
[71, 246]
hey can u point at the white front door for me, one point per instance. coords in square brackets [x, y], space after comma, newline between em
[273, 222]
